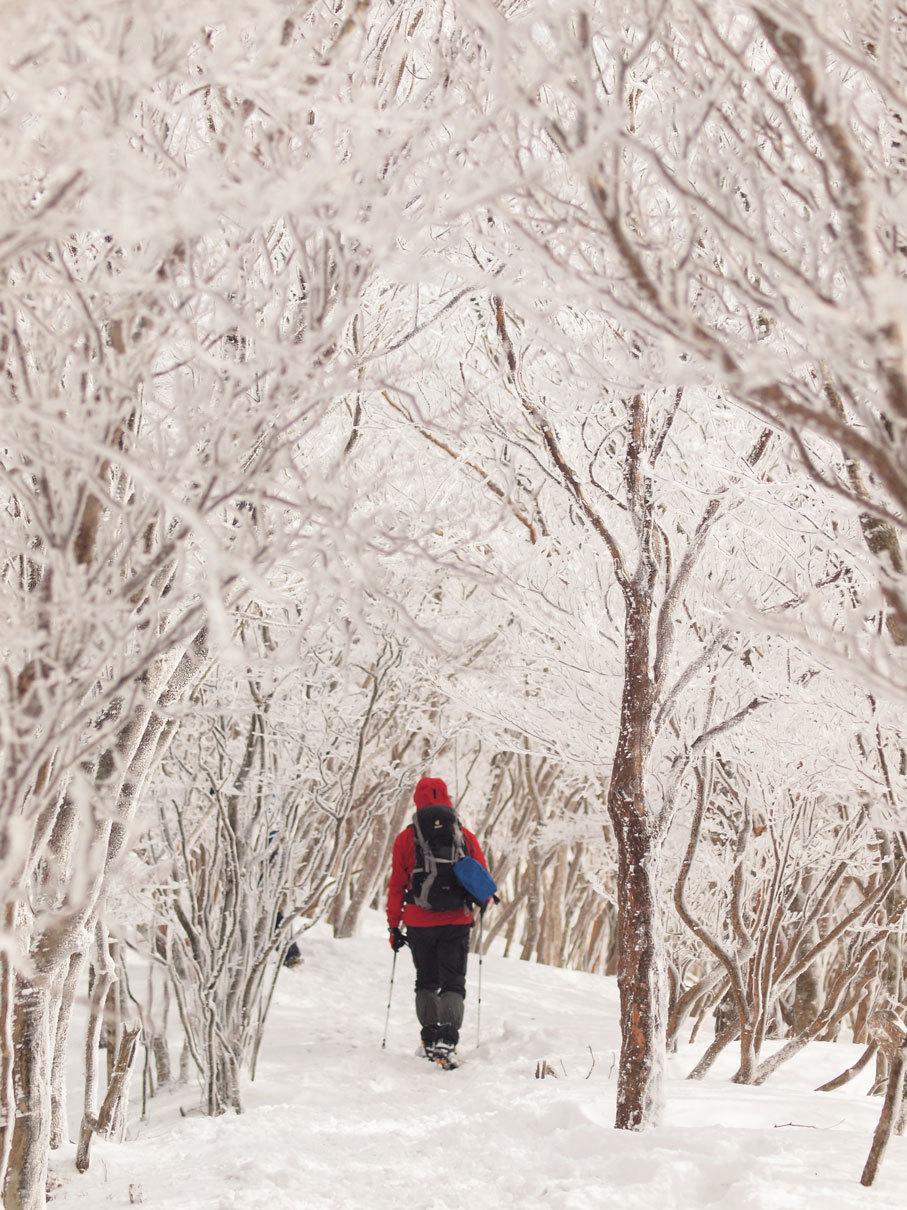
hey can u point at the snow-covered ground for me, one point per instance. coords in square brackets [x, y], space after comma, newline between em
[333, 1122]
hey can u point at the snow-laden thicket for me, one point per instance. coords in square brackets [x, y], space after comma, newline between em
[502, 390]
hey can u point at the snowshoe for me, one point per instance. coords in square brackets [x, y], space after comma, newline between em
[444, 1055]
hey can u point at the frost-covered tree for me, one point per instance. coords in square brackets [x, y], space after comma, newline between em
[276, 803]
[789, 889]
[717, 191]
[723, 184]
[196, 215]
[630, 527]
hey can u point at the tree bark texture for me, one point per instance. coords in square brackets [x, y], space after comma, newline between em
[7, 1087]
[25, 1182]
[893, 1095]
[111, 1119]
[641, 983]
[641, 975]
[58, 1067]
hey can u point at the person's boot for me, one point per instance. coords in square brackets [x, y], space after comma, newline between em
[427, 1007]
[444, 1053]
[429, 1036]
[450, 1018]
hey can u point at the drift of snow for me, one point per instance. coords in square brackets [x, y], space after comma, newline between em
[333, 1122]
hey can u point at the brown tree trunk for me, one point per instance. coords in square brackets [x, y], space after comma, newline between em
[749, 1053]
[808, 989]
[7, 1078]
[25, 1185]
[111, 1119]
[893, 1096]
[641, 982]
[641, 976]
[551, 939]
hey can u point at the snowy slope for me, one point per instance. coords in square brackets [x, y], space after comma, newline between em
[335, 1123]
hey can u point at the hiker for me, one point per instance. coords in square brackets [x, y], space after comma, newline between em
[424, 894]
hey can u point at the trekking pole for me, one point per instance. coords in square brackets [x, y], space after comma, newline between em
[390, 992]
[479, 997]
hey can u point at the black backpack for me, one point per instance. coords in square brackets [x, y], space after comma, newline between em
[438, 842]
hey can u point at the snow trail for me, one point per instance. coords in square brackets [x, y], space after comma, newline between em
[332, 1122]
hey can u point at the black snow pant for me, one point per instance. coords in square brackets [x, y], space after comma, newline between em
[439, 954]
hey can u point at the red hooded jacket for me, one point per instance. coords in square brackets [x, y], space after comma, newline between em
[429, 791]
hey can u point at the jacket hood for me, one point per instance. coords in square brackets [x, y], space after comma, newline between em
[431, 792]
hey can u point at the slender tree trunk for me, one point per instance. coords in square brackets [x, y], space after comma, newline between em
[158, 1003]
[749, 1053]
[61, 1035]
[103, 975]
[808, 989]
[894, 1093]
[641, 974]
[370, 867]
[531, 926]
[111, 1119]
[25, 1186]
[8, 1087]
[642, 984]
[551, 940]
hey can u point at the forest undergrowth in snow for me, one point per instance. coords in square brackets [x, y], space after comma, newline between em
[333, 1122]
